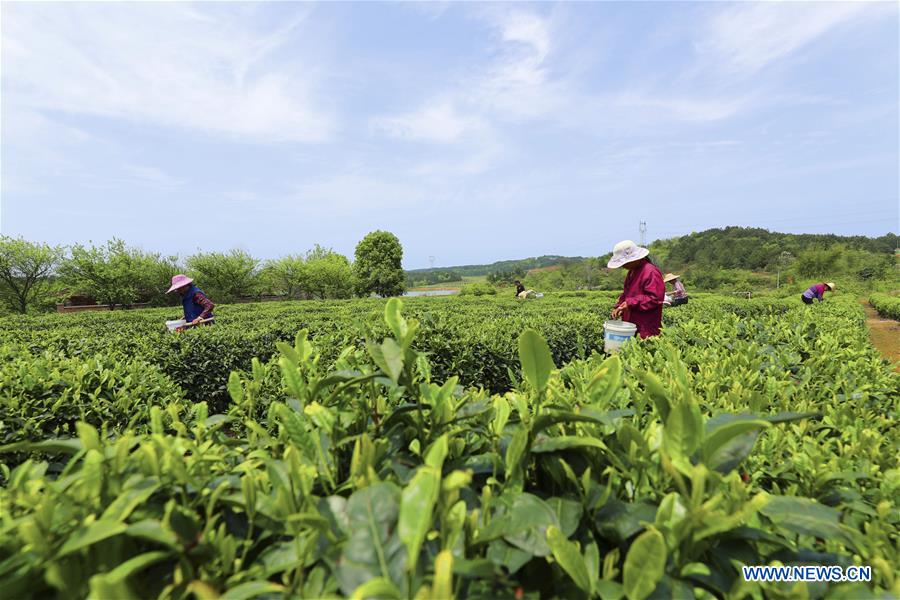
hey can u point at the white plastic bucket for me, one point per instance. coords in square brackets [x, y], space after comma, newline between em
[173, 325]
[616, 333]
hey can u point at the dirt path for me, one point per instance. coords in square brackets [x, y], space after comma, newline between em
[885, 335]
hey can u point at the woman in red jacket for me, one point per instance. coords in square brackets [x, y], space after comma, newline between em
[641, 301]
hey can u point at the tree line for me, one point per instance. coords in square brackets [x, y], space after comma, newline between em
[36, 276]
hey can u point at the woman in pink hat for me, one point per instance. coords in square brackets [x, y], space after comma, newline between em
[197, 306]
[641, 302]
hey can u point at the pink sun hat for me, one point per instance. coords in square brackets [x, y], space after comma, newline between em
[179, 281]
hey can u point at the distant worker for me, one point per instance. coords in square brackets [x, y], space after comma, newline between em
[519, 287]
[817, 291]
[642, 299]
[679, 295]
[197, 307]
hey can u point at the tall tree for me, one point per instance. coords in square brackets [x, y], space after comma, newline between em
[116, 274]
[225, 276]
[25, 270]
[286, 275]
[378, 267]
[329, 274]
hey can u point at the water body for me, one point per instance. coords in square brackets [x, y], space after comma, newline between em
[432, 293]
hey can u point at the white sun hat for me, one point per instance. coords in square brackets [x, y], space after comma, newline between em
[625, 252]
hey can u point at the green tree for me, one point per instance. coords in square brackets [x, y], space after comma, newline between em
[286, 276]
[821, 261]
[378, 265]
[117, 274]
[225, 276]
[25, 270]
[328, 274]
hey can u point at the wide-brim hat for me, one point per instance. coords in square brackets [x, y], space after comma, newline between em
[830, 285]
[670, 277]
[179, 281]
[625, 252]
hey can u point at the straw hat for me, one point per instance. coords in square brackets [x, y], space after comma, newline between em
[830, 285]
[670, 277]
[179, 281]
[625, 252]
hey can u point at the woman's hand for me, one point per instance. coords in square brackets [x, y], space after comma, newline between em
[195, 321]
[618, 310]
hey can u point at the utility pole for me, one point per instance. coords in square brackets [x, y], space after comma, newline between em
[643, 228]
[784, 260]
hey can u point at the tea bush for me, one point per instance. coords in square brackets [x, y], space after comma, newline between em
[887, 306]
[750, 433]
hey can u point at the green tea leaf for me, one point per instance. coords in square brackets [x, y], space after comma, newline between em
[416, 506]
[373, 548]
[725, 433]
[443, 576]
[379, 587]
[808, 517]
[393, 316]
[657, 393]
[683, 433]
[569, 558]
[645, 565]
[91, 534]
[536, 360]
[251, 589]
[565, 442]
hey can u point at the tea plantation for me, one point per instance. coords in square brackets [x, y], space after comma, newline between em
[446, 447]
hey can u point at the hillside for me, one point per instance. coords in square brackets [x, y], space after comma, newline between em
[742, 257]
[499, 266]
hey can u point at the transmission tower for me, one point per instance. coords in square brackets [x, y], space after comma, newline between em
[431, 260]
[643, 228]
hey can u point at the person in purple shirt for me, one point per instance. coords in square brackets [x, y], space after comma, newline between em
[816, 291]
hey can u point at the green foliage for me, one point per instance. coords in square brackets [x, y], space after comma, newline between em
[501, 266]
[285, 276]
[44, 396]
[887, 306]
[378, 265]
[478, 289]
[328, 274]
[225, 276]
[25, 271]
[754, 249]
[419, 278]
[589, 273]
[321, 274]
[508, 276]
[367, 476]
[117, 274]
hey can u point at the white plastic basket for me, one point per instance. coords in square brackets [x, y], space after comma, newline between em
[173, 325]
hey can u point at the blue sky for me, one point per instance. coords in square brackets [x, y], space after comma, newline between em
[474, 132]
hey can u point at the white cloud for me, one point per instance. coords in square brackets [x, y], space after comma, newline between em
[151, 176]
[162, 64]
[750, 36]
[440, 122]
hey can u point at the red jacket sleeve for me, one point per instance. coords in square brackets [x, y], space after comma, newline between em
[206, 303]
[653, 290]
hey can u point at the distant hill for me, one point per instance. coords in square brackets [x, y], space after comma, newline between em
[709, 259]
[753, 248]
[523, 264]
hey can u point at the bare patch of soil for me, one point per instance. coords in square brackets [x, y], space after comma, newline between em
[885, 335]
